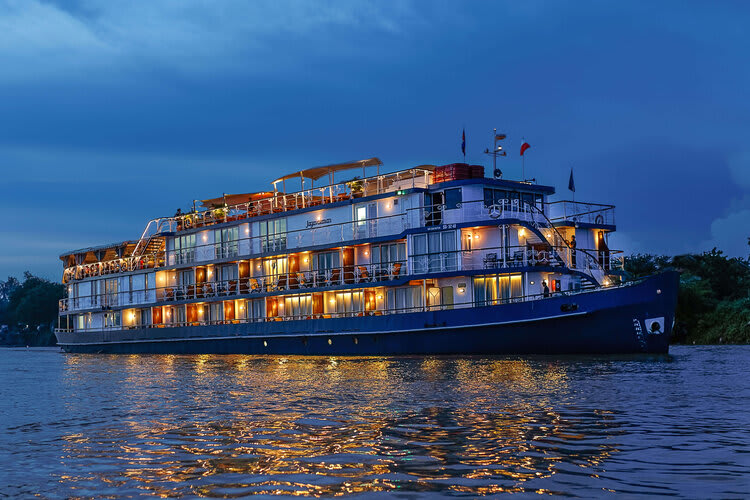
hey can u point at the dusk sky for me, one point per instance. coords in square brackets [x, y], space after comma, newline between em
[114, 113]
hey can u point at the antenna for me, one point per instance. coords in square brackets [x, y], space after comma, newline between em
[496, 151]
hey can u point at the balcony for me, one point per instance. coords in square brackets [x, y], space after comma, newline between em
[573, 212]
[497, 259]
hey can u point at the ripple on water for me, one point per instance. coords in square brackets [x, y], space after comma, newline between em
[229, 426]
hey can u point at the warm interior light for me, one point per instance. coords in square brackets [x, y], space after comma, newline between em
[380, 297]
[521, 232]
[476, 236]
[247, 230]
[306, 260]
[367, 252]
[205, 237]
[332, 301]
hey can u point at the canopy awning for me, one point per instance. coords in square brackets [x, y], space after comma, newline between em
[316, 173]
[234, 199]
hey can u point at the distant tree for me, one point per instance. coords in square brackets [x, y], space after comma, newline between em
[729, 278]
[6, 289]
[640, 265]
[34, 302]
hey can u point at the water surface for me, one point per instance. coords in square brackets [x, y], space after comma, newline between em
[228, 426]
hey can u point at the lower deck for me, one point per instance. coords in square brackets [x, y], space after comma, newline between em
[624, 319]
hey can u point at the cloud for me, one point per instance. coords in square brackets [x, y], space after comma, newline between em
[739, 167]
[197, 37]
[730, 234]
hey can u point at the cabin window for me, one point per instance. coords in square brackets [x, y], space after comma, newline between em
[227, 273]
[433, 204]
[143, 317]
[181, 315]
[187, 277]
[327, 260]
[494, 197]
[527, 198]
[184, 248]
[389, 253]
[110, 291]
[298, 306]
[225, 242]
[347, 302]
[405, 299]
[491, 290]
[111, 319]
[84, 321]
[273, 235]
[274, 266]
[361, 215]
[216, 312]
[435, 252]
[452, 198]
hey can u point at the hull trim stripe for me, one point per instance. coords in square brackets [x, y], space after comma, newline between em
[329, 334]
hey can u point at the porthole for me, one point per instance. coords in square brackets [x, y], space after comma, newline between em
[330, 341]
[265, 344]
[356, 340]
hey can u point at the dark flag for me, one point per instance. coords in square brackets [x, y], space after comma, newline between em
[463, 142]
[571, 184]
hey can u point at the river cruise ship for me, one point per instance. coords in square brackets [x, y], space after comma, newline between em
[345, 259]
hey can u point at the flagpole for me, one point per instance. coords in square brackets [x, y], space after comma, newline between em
[523, 162]
[494, 151]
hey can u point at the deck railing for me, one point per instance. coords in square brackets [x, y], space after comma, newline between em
[575, 211]
[489, 258]
[308, 315]
[334, 233]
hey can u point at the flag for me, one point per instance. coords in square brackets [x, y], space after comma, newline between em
[463, 142]
[524, 147]
[571, 184]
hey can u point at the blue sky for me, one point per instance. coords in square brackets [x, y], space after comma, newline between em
[117, 112]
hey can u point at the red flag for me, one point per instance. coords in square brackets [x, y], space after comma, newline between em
[524, 147]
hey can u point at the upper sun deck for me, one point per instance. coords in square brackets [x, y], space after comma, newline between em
[318, 189]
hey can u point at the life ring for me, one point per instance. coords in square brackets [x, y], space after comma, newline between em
[495, 211]
[599, 219]
[187, 222]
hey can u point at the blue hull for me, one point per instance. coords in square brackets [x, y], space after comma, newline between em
[608, 321]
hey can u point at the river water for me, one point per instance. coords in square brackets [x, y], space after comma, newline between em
[228, 426]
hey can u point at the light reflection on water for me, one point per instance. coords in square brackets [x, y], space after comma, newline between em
[228, 426]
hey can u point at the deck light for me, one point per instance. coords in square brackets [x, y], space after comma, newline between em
[380, 296]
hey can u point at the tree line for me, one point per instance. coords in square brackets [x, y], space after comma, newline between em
[28, 310]
[713, 305]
